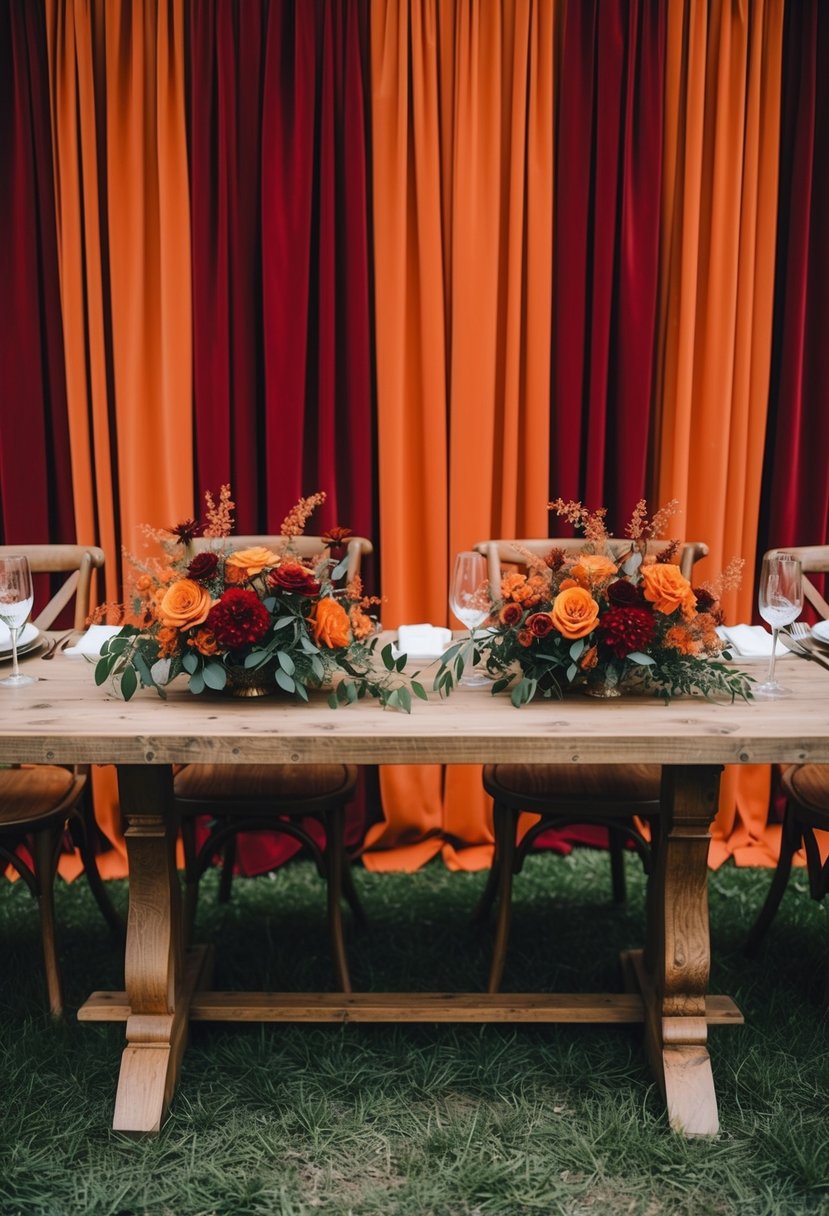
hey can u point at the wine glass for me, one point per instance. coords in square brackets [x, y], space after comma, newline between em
[469, 600]
[16, 598]
[780, 601]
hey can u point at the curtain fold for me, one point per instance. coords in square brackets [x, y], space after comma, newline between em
[795, 508]
[719, 211]
[35, 494]
[462, 108]
[608, 184]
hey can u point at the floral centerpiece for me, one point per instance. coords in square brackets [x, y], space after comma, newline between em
[250, 620]
[601, 621]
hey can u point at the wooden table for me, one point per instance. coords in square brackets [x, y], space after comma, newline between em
[64, 718]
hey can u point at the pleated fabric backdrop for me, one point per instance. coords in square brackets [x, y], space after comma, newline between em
[445, 261]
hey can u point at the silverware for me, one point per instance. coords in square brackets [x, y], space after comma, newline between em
[55, 644]
[801, 647]
[801, 631]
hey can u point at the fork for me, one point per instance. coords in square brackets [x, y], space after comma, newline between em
[55, 644]
[799, 637]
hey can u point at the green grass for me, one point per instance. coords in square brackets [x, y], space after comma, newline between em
[421, 1120]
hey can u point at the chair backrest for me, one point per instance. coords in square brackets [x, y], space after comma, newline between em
[814, 559]
[77, 561]
[357, 547]
[498, 552]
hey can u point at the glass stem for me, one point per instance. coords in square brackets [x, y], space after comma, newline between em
[15, 669]
[773, 655]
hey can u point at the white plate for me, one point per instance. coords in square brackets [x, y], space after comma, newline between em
[820, 631]
[29, 635]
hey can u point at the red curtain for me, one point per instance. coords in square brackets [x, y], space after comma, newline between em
[318, 425]
[795, 505]
[280, 245]
[35, 472]
[608, 181]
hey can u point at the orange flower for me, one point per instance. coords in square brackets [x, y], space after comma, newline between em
[567, 583]
[514, 587]
[589, 659]
[167, 638]
[204, 641]
[184, 604]
[679, 638]
[510, 614]
[525, 638]
[593, 568]
[668, 589]
[144, 585]
[574, 613]
[362, 626]
[250, 561]
[330, 624]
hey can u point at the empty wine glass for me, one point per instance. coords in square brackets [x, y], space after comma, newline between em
[469, 600]
[780, 600]
[16, 600]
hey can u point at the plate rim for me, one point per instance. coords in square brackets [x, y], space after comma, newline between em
[823, 637]
[6, 651]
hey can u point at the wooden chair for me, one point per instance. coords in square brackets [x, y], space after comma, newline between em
[38, 803]
[272, 797]
[563, 794]
[806, 787]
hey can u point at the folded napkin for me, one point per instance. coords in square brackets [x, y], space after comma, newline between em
[422, 641]
[752, 641]
[92, 641]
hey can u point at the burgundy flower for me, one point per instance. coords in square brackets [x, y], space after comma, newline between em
[510, 614]
[186, 530]
[540, 624]
[623, 594]
[291, 576]
[624, 630]
[238, 618]
[555, 559]
[203, 567]
[705, 600]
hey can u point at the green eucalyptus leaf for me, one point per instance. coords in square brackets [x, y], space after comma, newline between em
[286, 662]
[196, 684]
[215, 676]
[190, 662]
[285, 681]
[129, 682]
[419, 691]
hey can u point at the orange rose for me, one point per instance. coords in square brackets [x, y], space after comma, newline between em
[668, 589]
[574, 613]
[251, 561]
[184, 604]
[204, 641]
[566, 583]
[330, 624]
[592, 568]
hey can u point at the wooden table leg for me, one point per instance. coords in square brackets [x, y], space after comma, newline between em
[674, 974]
[156, 993]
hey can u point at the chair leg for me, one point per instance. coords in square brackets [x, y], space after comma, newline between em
[616, 838]
[484, 905]
[228, 862]
[351, 896]
[45, 851]
[789, 844]
[335, 861]
[93, 877]
[505, 850]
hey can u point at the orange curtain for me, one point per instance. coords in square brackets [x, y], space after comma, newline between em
[463, 119]
[722, 114]
[117, 80]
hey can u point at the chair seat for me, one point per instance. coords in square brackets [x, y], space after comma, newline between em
[589, 783]
[29, 794]
[808, 784]
[242, 785]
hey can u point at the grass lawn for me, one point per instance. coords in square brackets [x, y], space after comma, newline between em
[421, 1120]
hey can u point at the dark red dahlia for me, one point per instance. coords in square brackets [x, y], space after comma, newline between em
[203, 567]
[623, 594]
[238, 618]
[291, 576]
[624, 630]
[555, 559]
[705, 600]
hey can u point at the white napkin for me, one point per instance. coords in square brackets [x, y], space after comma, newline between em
[92, 640]
[27, 634]
[422, 641]
[752, 641]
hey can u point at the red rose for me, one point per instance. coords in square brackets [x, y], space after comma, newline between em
[510, 614]
[238, 618]
[627, 629]
[291, 576]
[540, 624]
[203, 567]
[623, 594]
